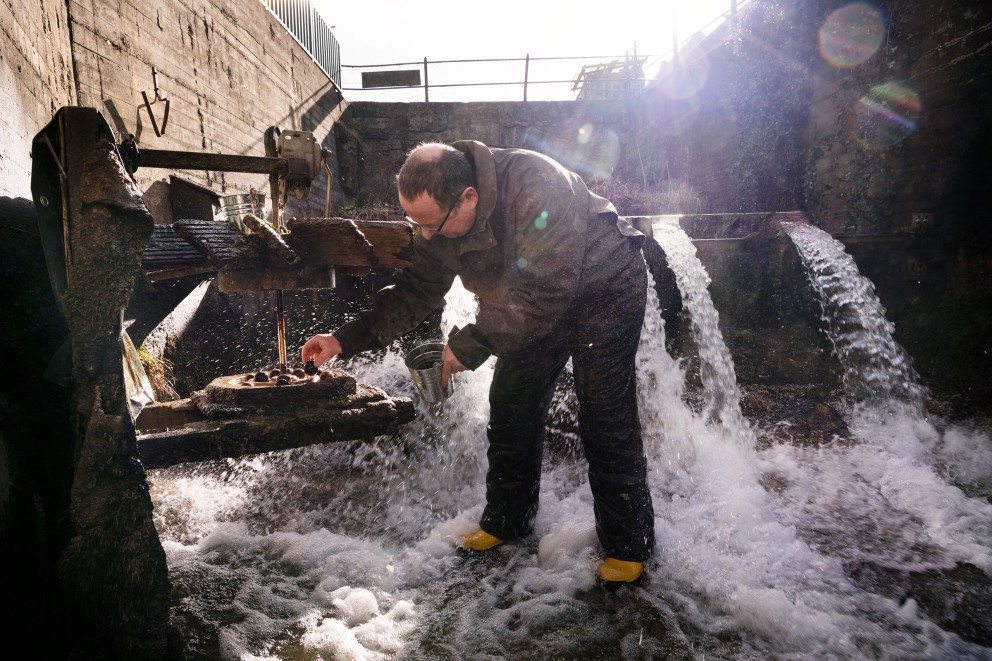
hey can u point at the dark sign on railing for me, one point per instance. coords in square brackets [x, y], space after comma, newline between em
[394, 78]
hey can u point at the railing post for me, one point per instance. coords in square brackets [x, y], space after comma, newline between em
[427, 95]
[526, 71]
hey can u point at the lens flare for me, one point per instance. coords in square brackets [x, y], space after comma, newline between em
[584, 134]
[590, 150]
[851, 35]
[886, 115]
[686, 77]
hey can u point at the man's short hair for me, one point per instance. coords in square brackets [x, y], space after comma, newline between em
[438, 169]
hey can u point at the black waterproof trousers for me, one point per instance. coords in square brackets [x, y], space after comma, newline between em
[600, 333]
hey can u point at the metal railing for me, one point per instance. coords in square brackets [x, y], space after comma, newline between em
[628, 82]
[301, 20]
[525, 82]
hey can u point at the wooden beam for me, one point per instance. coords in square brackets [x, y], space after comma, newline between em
[344, 242]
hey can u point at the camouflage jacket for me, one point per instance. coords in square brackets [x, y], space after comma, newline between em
[540, 242]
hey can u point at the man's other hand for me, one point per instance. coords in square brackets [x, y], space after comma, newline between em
[449, 365]
[321, 348]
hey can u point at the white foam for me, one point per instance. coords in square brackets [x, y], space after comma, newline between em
[370, 569]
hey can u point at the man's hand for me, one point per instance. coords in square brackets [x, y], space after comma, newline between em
[449, 365]
[321, 348]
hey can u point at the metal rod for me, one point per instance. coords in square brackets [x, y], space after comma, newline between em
[427, 96]
[526, 71]
[185, 160]
[281, 331]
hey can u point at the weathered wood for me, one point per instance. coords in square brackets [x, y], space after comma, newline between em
[173, 274]
[235, 419]
[257, 264]
[168, 415]
[184, 160]
[220, 439]
[218, 241]
[344, 242]
[110, 574]
[271, 239]
[166, 250]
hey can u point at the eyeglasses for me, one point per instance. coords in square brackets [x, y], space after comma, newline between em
[437, 230]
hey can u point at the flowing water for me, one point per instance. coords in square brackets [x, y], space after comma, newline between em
[345, 551]
[875, 366]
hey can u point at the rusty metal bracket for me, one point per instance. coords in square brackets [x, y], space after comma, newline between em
[157, 99]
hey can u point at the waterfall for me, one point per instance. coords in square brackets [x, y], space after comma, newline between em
[720, 391]
[875, 367]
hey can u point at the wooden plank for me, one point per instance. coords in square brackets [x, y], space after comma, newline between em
[345, 242]
[236, 437]
[221, 243]
[193, 246]
[166, 250]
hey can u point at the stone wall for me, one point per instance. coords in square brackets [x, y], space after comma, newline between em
[721, 132]
[903, 128]
[908, 129]
[724, 122]
[589, 137]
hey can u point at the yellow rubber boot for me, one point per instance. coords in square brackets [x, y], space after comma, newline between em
[620, 571]
[479, 540]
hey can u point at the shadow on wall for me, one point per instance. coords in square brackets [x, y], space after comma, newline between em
[326, 105]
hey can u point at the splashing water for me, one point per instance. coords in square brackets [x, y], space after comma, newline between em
[875, 366]
[345, 551]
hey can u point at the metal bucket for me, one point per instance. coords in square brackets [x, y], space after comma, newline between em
[424, 363]
[235, 207]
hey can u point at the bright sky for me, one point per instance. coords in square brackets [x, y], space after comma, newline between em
[395, 31]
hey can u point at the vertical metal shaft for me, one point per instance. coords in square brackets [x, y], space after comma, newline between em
[526, 73]
[272, 149]
[281, 330]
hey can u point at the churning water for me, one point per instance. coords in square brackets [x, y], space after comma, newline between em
[345, 551]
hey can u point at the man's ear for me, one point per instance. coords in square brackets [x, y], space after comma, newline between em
[471, 195]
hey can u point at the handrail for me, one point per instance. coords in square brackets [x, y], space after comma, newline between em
[525, 82]
[493, 59]
[302, 20]
[648, 60]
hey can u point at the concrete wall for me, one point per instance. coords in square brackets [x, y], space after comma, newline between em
[228, 69]
[35, 79]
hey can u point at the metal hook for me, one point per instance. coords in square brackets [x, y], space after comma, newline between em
[157, 99]
[325, 156]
